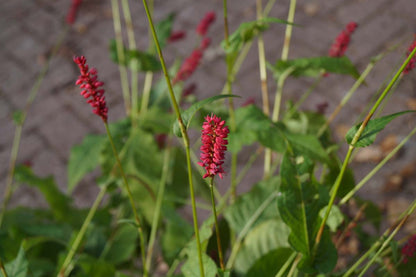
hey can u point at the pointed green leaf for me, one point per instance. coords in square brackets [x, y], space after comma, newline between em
[191, 266]
[190, 112]
[269, 264]
[19, 266]
[122, 245]
[314, 67]
[84, 158]
[374, 126]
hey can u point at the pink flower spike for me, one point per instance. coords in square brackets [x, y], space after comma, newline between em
[214, 134]
[340, 44]
[412, 62]
[189, 66]
[409, 249]
[91, 88]
[205, 23]
[70, 17]
[176, 36]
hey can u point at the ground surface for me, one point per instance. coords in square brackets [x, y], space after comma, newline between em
[59, 118]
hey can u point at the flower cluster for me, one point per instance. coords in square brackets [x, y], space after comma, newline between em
[205, 23]
[412, 62]
[409, 249]
[176, 35]
[340, 44]
[91, 88]
[70, 17]
[214, 142]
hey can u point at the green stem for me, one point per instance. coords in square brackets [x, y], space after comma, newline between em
[66, 268]
[247, 227]
[120, 54]
[156, 215]
[288, 32]
[279, 93]
[130, 196]
[132, 45]
[146, 91]
[377, 168]
[352, 146]
[184, 135]
[2, 269]
[18, 131]
[294, 265]
[217, 229]
[286, 265]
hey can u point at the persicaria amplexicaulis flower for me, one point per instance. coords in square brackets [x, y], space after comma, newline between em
[412, 62]
[177, 35]
[409, 249]
[189, 66]
[340, 44]
[214, 134]
[205, 23]
[70, 17]
[91, 88]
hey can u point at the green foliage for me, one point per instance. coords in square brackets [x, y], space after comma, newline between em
[314, 67]
[374, 126]
[164, 29]
[84, 158]
[19, 266]
[122, 245]
[269, 264]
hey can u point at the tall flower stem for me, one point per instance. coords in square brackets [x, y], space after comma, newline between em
[288, 32]
[19, 127]
[134, 73]
[217, 229]
[130, 196]
[184, 136]
[120, 54]
[160, 195]
[66, 269]
[352, 147]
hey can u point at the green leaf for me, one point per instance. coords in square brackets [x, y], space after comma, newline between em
[84, 158]
[269, 264]
[374, 126]
[18, 117]
[335, 217]
[135, 59]
[309, 146]
[93, 267]
[191, 266]
[122, 245]
[59, 203]
[163, 29]
[314, 67]
[191, 111]
[19, 266]
[265, 237]
[247, 31]
[240, 212]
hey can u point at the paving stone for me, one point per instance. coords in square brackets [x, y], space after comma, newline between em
[44, 25]
[361, 11]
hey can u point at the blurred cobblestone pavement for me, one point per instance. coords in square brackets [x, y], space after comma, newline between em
[59, 118]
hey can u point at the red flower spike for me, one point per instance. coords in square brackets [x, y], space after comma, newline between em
[340, 44]
[409, 249]
[205, 43]
[412, 62]
[205, 23]
[91, 88]
[189, 66]
[176, 36]
[214, 134]
[70, 17]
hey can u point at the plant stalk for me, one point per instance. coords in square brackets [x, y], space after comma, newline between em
[217, 229]
[66, 268]
[184, 135]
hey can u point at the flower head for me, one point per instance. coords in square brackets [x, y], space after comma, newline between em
[205, 23]
[189, 66]
[70, 17]
[412, 62]
[214, 134]
[91, 88]
[340, 44]
[409, 249]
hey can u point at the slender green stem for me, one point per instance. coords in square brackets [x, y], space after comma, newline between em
[288, 32]
[146, 91]
[279, 93]
[286, 265]
[160, 196]
[19, 128]
[348, 95]
[247, 227]
[2, 269]
[377, 168]
[294, 265]
[120, 54]
[352, 146]
[184, 135]
[66, 268]
[134, 80]
[130, 196]
[217, 228]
